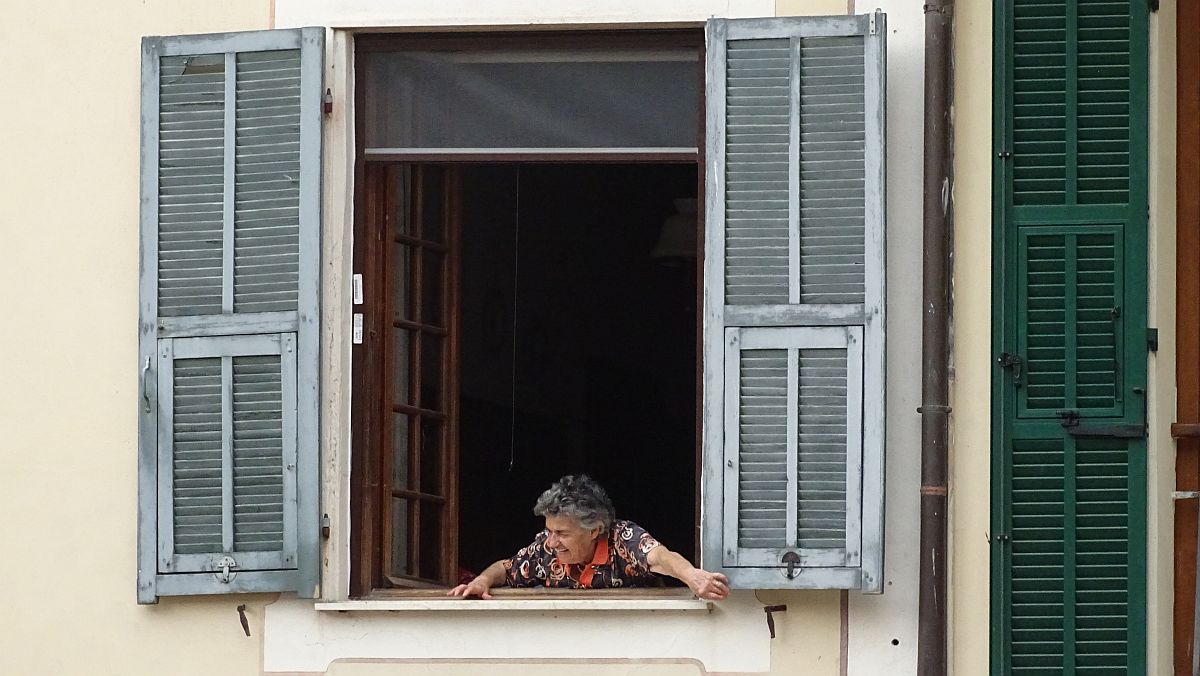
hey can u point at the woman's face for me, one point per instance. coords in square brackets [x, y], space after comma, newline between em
[571, 542]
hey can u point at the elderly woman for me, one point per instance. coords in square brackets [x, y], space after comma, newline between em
[584, 547]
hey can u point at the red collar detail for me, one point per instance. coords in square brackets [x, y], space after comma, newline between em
[599, 558]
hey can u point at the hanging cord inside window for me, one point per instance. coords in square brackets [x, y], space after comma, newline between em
[512, 430]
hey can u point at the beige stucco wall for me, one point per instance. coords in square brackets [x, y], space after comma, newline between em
[970, 442]
[68, 267]
[68, 270]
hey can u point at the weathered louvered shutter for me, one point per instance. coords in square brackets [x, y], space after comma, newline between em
[1069, 528]
[230, 221]
[794, 302]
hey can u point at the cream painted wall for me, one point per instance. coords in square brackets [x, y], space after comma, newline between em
[1161, 385]
[68, 270]
[69, 223]
[970, 427]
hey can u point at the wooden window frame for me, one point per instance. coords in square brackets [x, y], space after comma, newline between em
[1187, 317]
[370, 471]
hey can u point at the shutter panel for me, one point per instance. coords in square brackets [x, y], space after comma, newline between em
[794, 288]
[231, 162]
[1069, 473]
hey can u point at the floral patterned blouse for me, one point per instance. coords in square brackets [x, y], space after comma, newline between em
[620, 561]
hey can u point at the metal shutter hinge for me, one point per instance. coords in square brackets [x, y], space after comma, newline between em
[325, 526]
[1152, 340]
[871, 23]
[1007, 360]
[327, 101]
[1153, 5]
[356, 288]
[356, 334]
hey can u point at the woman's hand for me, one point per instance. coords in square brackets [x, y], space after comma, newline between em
[480, 587]
[706, 585]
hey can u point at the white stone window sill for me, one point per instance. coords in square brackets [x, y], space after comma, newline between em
[528, 600]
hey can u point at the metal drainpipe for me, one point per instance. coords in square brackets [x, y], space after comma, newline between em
[935, 340]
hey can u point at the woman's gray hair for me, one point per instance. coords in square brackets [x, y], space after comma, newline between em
[580, 498]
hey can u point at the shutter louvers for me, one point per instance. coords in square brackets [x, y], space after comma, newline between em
[196, 461]
[258, 450]
[1071, 210]
[832, 171]
[794, 302]
[762, 443]
[267, 189]
[1070, 126]
[823, 448]
[230, 232]
[191, 184]
[756, 160]
[1070, 291]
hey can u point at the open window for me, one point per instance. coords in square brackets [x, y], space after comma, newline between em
[563, 344]
[655, 256]
[531, 292]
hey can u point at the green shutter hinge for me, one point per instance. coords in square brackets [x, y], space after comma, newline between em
[1153, 5]
[1152, 340]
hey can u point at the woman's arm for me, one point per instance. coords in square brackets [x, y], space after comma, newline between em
[482, 585]
[705, 585]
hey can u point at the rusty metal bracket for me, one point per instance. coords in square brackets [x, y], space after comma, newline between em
[770, 610]
[242, 616]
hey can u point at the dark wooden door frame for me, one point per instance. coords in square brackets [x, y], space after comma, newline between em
[1187, 325]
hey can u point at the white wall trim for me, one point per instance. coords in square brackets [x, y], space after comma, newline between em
[367, 13]
[731, 638]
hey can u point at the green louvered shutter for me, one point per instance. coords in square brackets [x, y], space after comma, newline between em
[794, 288]
[230, 221]
[1069, 525]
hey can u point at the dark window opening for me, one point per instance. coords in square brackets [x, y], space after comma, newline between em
[578, 349]
[539, 320]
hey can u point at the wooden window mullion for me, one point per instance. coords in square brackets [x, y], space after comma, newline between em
[416, 296]
[388, 391]
[450, 307]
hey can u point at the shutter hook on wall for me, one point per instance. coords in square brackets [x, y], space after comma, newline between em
[769, 610]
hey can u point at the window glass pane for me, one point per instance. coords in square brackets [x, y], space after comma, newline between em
[431, 372]
[431, 541]
[400, 443]
[401, 281]
[532, 99]
[401, 372]
[431, 456]
[400, 199]
[400, 537]
[433, 203]
[432, 289]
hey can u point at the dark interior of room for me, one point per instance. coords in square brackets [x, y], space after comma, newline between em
[578, 349]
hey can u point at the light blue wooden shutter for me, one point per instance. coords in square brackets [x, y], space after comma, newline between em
[794, 302]
[230, 221]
